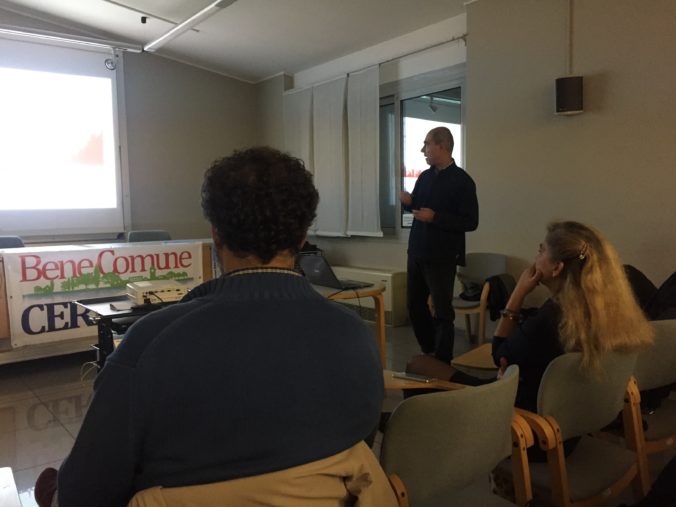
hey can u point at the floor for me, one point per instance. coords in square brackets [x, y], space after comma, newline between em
[43, 402]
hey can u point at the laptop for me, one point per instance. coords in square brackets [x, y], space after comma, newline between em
[318, 272]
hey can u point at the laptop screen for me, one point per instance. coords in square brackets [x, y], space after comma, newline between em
[318, 271]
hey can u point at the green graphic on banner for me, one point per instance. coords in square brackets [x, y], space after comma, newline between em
[107, 280]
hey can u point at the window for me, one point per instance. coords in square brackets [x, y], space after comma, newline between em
[388, 183]
[419, 115]
[59, 149]
[410, 108]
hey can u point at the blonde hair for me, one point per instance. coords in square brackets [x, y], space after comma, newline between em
[599, 312]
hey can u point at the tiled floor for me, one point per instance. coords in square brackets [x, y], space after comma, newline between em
[43, 402]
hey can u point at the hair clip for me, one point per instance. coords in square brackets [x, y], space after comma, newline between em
[583, 252]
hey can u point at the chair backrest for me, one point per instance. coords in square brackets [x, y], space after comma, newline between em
[438, 443]
[11, 242]
[148, 235]
[480, 265]
[656, 366]
[583, 402]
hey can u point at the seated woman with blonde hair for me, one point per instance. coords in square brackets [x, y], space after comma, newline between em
[591, 310]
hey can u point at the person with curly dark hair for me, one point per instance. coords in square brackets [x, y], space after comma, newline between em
[252, 376]
[283, 195]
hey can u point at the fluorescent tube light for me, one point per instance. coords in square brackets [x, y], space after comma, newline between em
[45, 35]
[188, 24]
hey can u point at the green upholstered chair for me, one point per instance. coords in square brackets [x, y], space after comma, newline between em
[573, 404]
[655, 368]
[479, 266]
[438, 444]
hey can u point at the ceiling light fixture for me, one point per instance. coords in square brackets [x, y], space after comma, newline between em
[69, 39]
[188, 24]
[143, 13]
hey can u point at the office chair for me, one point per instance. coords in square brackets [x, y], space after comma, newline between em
[573, 404]
[435, 445]
[656, 368]
[148, 235]
[11, 242]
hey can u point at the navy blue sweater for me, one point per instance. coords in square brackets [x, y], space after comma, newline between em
[254, 373]
[451, 193]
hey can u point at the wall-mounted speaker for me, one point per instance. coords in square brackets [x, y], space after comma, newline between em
[569, 95]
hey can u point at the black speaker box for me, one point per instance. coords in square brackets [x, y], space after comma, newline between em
[569, 95]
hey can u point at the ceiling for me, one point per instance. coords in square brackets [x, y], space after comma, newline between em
[250, 39]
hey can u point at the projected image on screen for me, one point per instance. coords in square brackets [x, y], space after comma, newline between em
[56, 141]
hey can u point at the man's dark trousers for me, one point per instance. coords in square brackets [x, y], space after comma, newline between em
[435, 278]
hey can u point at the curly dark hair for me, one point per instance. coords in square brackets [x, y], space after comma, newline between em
[260, 201]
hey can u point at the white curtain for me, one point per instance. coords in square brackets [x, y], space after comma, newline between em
[363, 170]
[330, 156]
[298, 125]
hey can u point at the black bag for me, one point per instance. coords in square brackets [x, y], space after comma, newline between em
[663, 304]
[471, 291]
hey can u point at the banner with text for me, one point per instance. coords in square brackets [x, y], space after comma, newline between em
[41, 284]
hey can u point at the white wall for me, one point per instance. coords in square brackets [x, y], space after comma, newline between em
[269, 110]
[179, 120]
[400, 66]
[614, 166]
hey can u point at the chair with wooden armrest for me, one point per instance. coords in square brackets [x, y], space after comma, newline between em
[436, 445]
[522, 439]
[479, 266]
[656, 368]
[574, 404]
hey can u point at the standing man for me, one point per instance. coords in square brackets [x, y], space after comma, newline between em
[444, 206]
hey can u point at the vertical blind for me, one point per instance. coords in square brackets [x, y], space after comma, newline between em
[333, 127]
[362, 125]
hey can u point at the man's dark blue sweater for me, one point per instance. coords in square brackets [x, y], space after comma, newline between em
[254, 373]
[451, 193]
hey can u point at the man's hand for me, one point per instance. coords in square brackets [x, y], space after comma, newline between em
[424, 214]
[405, 198]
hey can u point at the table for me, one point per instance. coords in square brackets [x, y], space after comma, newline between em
[376, 293]
[400, 383]
[118, 320]
[113, 314]
[477, 362]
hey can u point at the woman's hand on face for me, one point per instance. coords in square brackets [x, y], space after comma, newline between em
[529, 279]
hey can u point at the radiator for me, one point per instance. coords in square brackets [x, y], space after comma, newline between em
[394, 295]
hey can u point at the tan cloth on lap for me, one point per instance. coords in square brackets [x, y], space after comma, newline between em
[350, 478]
